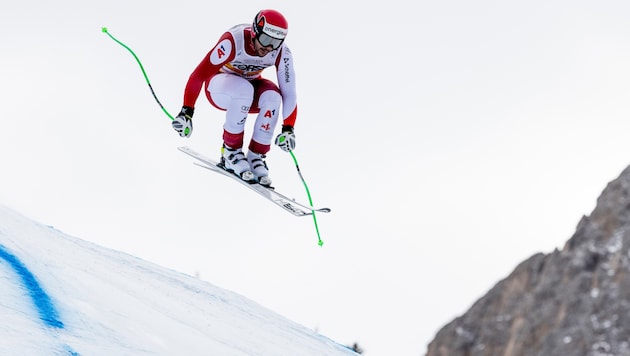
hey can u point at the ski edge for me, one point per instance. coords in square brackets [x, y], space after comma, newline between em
[281, 200]
[284, 204]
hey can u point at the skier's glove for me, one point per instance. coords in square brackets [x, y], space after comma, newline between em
[183, 122]
[286, 140]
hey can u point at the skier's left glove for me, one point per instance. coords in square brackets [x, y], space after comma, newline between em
[183, 122]
[286, 140]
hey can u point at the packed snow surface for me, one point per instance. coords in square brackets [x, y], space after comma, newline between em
[61, 295]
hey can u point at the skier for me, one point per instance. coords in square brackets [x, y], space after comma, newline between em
[231, 74]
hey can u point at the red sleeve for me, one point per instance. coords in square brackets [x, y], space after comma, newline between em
[290, 120]
[222, 53]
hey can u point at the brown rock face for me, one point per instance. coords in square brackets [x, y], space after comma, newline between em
[573, 302]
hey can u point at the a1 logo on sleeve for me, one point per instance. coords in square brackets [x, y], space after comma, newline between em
[221, 52]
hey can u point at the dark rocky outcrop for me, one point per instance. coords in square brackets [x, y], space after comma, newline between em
[573, 302]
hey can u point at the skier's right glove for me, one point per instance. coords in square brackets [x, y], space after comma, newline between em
[286, 140]
[183, 122]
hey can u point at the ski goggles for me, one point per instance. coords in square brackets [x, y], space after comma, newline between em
[266, 40]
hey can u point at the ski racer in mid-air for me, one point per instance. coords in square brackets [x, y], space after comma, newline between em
[231, 75]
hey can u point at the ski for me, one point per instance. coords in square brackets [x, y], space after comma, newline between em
[289, 205]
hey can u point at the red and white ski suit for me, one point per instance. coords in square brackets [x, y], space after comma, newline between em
[231, 74]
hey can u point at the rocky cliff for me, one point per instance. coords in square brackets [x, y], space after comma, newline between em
[570, 302]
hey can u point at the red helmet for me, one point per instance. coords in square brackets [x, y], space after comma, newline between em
[270, 28]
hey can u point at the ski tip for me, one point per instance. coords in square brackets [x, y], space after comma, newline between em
[324, 210]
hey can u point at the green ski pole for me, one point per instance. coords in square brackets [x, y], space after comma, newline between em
[310, 201]
[146, 78]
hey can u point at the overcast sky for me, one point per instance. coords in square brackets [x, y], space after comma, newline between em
[452, 141]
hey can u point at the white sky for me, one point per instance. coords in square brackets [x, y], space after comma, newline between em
[452, 140]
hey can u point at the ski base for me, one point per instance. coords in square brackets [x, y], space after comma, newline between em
[289, 205]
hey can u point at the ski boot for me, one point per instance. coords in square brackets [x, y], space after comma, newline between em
[233, 160]
[259, 168]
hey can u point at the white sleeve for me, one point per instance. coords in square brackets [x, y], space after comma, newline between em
[286, 82]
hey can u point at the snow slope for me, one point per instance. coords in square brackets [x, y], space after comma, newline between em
[60, 295]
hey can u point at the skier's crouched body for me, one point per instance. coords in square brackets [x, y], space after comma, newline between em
[231, 75]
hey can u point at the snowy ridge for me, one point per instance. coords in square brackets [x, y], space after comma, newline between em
[64, 296]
